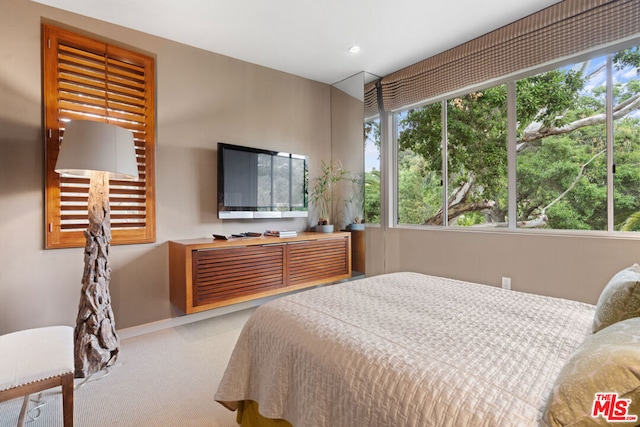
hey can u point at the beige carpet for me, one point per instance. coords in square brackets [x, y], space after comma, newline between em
[165, 378]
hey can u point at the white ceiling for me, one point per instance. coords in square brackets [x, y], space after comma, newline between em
[311, 38]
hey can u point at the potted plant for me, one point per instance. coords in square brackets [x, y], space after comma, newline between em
[323, 192]
[357, 224]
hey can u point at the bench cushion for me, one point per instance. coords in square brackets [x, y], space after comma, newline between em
[35, 354]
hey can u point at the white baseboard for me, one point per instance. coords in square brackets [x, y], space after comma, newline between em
[172, 322]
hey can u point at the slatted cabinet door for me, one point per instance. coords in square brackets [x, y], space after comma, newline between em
[207, 273]
[221, 274]
[317, 260]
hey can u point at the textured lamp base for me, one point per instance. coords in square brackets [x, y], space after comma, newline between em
[96, 342]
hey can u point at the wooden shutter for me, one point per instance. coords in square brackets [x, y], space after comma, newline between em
[91, 80]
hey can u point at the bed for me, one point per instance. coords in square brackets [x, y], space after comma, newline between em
[408, 349]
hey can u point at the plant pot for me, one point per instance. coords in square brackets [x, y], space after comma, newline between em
[358, 226]
[328, 228]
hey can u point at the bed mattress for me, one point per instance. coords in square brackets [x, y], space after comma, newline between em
[404, 349]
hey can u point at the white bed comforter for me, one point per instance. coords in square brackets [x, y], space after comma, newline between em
[404, 349]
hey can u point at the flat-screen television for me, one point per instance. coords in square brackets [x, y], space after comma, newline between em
[258, 183]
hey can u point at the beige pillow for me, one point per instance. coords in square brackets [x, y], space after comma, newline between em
[607, 362]
[620, 299]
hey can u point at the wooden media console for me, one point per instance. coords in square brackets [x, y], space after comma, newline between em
[208, 273]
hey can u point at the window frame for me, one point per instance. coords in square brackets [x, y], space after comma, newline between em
[510, 81]
[130, 225]
[373, 119]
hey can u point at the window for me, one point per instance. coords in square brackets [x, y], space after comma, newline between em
[477, 158]
[476, 161]
[372, 171]
[91, 80]
[562, 148]
[572, 173]
[420, 181]
[626, 139]
[563, 145]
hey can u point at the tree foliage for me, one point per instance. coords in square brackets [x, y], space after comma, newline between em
[372, 197]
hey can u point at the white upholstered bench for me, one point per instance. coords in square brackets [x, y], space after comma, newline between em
[37, 359]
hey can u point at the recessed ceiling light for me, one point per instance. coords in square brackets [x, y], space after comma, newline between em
[354, 49]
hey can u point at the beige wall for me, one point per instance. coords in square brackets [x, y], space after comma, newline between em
[568, 266]
[202, 98]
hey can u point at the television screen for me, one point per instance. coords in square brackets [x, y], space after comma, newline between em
[258, 183]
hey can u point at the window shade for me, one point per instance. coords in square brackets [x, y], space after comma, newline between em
[563, 29]
[91, 80]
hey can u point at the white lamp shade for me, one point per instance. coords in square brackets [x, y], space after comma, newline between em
[95, 146]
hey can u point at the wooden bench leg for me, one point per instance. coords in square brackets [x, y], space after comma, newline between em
[67, 399]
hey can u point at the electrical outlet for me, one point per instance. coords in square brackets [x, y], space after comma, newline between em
[506, 283]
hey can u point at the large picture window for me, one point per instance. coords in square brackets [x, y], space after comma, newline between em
[91, 80]
[577, 145]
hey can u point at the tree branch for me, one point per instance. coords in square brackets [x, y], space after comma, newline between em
[542, 218]
[575, 181]
[459, 209]
[536, 131]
